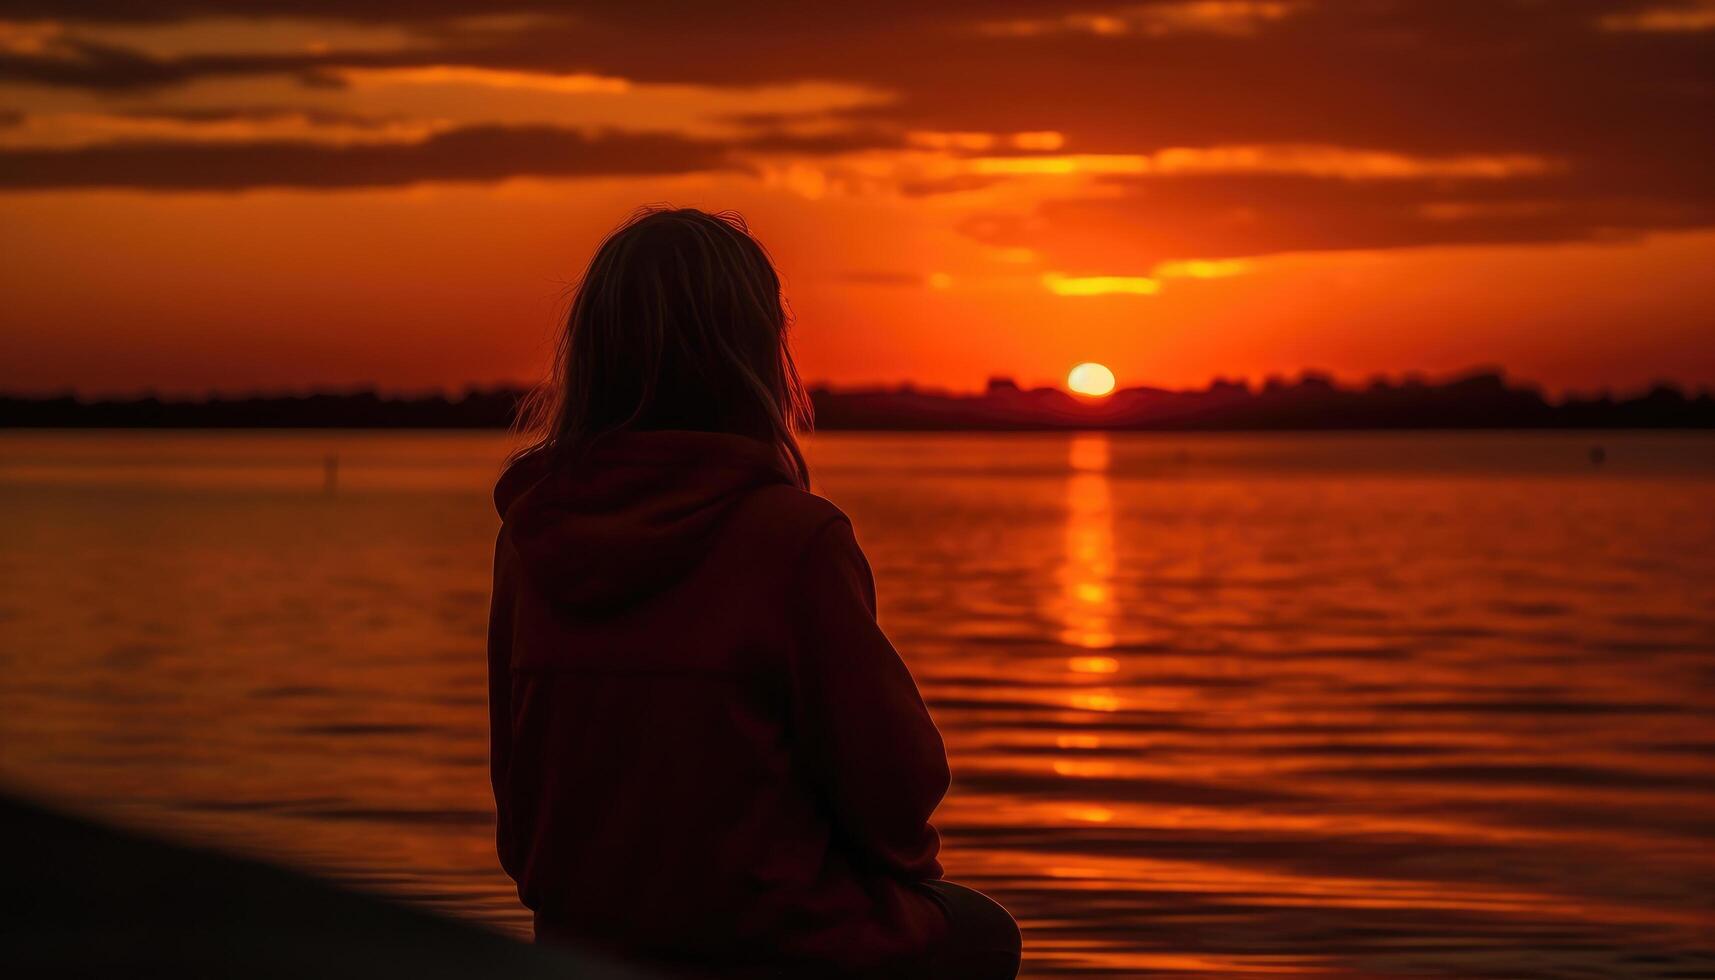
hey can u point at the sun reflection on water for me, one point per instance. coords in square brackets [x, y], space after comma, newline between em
[1086, 602]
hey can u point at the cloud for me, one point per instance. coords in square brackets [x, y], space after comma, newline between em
[1308, 160]
[1200, 269]
[72, 62]
[1239, 18]
[1063, 285]
[461, 154]
[1044, 140]
[476, 153]
[1692, 16]
[1138, 222]
[203, 124]
[257, 113]
[572, 83]
[1342, 162]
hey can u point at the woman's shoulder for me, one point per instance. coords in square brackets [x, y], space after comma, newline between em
[521, 472]
[787, 518]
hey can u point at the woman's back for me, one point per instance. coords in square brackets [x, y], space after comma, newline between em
[704, 747]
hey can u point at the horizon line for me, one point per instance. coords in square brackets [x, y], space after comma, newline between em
[1311, 375]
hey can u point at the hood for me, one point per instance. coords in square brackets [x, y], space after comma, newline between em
[631, 516]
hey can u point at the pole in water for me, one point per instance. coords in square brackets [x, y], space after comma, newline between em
[330, 473]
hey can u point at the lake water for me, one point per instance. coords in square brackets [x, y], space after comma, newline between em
[1334, 705]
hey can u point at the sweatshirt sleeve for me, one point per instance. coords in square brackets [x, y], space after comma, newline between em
[861, 726]
[500, 700]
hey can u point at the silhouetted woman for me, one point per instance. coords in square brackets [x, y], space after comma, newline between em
[706, 754]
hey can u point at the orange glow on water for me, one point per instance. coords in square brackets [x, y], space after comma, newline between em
[1259, 692]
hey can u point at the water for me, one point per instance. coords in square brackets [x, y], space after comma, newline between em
[1322, 705]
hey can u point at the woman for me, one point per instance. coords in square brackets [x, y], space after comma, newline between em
[706, 755]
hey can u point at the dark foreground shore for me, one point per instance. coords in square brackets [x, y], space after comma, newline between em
[84, 900]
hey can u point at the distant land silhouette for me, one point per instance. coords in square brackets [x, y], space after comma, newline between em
[1480, 400]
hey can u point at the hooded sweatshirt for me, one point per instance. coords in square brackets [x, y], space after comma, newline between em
[704, 749]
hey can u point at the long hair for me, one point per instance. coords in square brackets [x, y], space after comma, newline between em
[678, 323]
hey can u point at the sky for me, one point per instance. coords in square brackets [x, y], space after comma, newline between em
[401, 194]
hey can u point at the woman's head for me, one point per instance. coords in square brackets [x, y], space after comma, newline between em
[678, 323]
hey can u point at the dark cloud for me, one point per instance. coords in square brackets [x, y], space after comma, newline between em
[471, 153]
[78, 63]
[477, 153]
[659, 13]
[127, 12]
[261, 114]
[1155, 219]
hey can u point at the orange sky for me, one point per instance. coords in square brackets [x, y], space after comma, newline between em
[398, 193]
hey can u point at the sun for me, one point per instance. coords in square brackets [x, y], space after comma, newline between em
[1091, 379]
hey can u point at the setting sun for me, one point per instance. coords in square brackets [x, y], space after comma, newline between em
[1090, 379]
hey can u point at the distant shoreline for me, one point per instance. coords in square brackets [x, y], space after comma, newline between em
[1311, 403]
